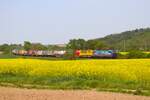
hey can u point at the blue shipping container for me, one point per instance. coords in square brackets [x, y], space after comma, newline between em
[104, 53]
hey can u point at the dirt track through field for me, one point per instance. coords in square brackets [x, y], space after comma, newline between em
[33, 94]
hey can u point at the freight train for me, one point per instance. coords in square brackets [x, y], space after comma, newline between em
[39, 53]
[61, 53]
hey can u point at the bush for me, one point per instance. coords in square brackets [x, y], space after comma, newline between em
[148, 55]
[136, 54]
[69, 55]
[121, 56]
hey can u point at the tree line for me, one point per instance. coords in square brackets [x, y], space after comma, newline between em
[7, 48]
[73, 44]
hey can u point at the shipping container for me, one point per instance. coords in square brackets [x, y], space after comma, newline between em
[104, 53]
[84, 53]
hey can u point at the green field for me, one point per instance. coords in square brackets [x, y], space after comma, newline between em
[125, 53]
[118, 75]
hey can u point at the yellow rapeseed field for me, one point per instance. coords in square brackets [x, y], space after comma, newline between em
[126, 70]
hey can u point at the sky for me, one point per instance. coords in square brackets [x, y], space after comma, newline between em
[58, 21]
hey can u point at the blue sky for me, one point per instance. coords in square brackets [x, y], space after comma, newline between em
[57, 21]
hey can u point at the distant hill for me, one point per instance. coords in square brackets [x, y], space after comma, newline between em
[138, 39]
